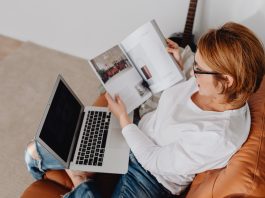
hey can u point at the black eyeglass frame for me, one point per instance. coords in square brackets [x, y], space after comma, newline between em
[202, 72]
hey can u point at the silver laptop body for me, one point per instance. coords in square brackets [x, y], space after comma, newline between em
[62, 128]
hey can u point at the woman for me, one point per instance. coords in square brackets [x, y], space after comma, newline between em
[197, 126]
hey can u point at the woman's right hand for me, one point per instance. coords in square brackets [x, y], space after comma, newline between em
[173, 48]
[117, 107]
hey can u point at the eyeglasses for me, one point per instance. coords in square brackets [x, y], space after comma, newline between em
[199, 71]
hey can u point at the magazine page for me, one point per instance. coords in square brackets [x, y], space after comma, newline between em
[118, 76]
[146, 47]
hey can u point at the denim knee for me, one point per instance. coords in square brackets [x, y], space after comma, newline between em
[33, 166]
[46, 161]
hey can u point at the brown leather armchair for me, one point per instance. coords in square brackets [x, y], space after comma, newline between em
[244, 176]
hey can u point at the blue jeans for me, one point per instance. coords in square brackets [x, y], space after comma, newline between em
[137, 182]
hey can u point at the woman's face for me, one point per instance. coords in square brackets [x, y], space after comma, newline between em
[205, 80]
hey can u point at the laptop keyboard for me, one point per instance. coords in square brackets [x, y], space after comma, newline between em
[92, 147]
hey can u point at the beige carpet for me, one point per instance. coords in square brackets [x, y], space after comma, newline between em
[26, 81]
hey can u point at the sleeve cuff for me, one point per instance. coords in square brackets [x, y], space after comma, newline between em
[128, 128]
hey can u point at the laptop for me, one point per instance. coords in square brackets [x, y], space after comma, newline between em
[82, 138]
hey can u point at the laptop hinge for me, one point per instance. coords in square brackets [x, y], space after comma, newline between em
[77, 135]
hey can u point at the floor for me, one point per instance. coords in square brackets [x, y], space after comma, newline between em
[8, 45]
[27, 73]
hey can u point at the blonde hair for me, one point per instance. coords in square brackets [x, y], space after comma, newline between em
[233, 49]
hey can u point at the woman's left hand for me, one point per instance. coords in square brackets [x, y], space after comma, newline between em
[117, 107]
[173, 48]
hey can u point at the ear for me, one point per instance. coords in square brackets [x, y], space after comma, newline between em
[229, 79]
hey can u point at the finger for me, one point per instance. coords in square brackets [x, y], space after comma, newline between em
[176, 45]
[108, 97]
[171, 42]
[119, 99]
[116, 97]
[170, 45]
[170, 50]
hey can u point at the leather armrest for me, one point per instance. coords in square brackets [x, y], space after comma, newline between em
[101, 101]
[60, 177]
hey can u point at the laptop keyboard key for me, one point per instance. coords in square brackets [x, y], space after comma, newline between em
[94, 139]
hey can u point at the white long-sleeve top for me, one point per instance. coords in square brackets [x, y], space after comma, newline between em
[179, 140]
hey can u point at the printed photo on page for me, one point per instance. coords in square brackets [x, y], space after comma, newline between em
[119, 76]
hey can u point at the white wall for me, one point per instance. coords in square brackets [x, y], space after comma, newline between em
[213, 13]
[85, 28]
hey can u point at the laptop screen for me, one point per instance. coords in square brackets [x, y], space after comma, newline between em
[61, 121]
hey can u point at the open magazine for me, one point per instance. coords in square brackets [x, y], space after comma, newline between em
[140, 59]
